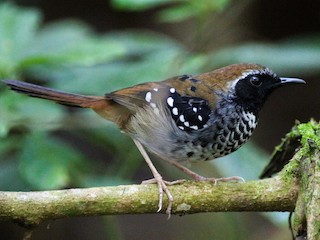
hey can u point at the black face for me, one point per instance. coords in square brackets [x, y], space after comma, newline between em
[252, 91]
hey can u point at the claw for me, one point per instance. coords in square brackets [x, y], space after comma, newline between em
[233, 178]
[159, 181]
[163, 187]
[198, 177]
[216, 180]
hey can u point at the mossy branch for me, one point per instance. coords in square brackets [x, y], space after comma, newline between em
[305, 165]
[295, 188]
[307, 211]
[30, 208]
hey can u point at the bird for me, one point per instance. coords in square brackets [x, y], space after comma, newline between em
[181, 119]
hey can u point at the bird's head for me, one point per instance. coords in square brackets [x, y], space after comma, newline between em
[250, 84]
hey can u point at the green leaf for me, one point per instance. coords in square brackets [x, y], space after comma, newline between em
[47, 163]
[8, 145]
[137, 5]
[178, 14]
[179, 11]
[18, 110]
[23, 46]
[10, 179]
[194, 8]
[70, 42]
[294, 56]
[17, 27]
[8, 111]
[148, 57]
[17, 30]
[142, 41]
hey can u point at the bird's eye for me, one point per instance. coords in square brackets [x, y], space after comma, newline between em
[255, 81]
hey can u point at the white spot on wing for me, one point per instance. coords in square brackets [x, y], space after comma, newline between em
[148, 97]
[170, 101]
[182, 118]
[181, 127]
[175, 111]
[194, 109]
[155, 89]
[194, 127]
[186, 124]
[172, 90]
[199, 117]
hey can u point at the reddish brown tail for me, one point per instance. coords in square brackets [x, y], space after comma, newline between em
[64, 98]
[104, 106]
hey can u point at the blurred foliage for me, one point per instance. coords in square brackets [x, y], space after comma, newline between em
[68, 55]
[34, 151]
[180, 9]
[47, 166]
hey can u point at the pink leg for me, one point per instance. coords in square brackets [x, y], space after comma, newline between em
[198, 177]
[162, 185]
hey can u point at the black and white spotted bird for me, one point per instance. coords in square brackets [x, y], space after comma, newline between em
[184, 118]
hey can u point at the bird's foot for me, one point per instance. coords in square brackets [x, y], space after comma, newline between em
[169, 183]
[198, 177]
[216, 180]
[162, 188]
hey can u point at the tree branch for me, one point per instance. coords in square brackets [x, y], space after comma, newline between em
[30, 208]
[295, 188]
[307, 211]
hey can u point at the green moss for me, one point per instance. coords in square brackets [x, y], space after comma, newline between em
[309, 134]
[290, 171]
[306, 162]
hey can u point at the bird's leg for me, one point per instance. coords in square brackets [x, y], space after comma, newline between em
[198, 177]
[169, 183]
[162, 185]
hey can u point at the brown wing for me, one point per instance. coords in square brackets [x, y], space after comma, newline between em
[188, 100]
[134, 97]
[185, 85]
[195, 86]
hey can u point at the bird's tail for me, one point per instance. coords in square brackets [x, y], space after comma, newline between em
[105, 106]
[69, 99]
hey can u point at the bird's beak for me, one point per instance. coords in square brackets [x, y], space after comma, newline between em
[285, 80]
